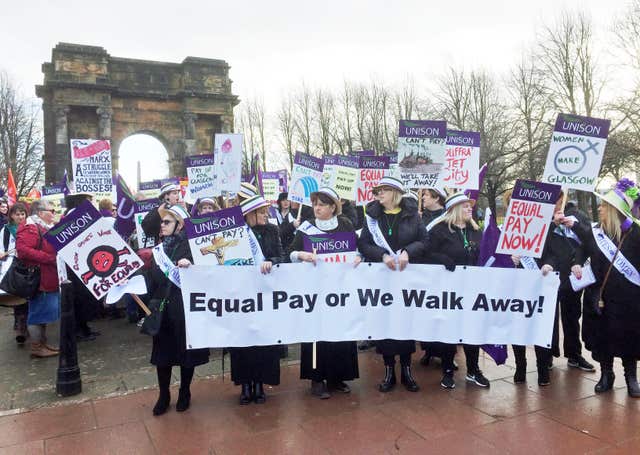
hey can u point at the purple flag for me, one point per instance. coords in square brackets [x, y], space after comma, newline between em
[125, 222]
[65, 183]
[498, 352]
[475, 194]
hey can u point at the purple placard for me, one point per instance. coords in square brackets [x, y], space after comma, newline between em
[582, 126]
[175, 180]
[198, 160]
[338, 242]
[347, 161]
[308, 161]
[463, 138]
[393, 157]
[330, 159]
[373, 162]
[72, 225]
[528, 190]
[146, 205]
[271, 175]
[54, 189]
[215, 222]
[423, 128]
[362, 152]
[151, 185]
[283, 176]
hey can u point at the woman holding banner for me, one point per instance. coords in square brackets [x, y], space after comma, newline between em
[394, 234]
[169, 345]
[454, 240]
[336, 362]
[254, 366]
[611, 317]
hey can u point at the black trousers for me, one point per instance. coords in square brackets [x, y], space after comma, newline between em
[543, 356]
[570, 304]
[471, 352]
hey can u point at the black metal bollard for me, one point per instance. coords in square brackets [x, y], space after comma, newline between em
[68, 380]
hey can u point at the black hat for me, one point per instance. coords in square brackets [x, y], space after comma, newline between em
[71, 201]
[283, 196]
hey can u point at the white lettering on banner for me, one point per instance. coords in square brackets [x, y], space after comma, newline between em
[336, 302]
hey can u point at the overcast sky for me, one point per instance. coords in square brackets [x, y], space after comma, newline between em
[272, 46]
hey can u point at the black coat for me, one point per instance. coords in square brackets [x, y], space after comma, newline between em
[429, 215]
[288, 230]
[335, 361]
[617, 331]
[169, 345]
[349, 211]
[409, 234]
[446, 246]
[151, 224]
[260, 363]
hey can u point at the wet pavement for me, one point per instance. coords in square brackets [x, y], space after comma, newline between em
[113, 414]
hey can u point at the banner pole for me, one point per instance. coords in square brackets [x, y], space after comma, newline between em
[299, 217]
[314, 351]
[420, 200]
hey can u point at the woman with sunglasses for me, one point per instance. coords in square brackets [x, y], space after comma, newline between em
[169, 345]
[455, 240]
[336, 362]
[394, 234]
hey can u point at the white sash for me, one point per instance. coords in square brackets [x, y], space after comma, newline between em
[378, 238]
[166, 265]
[434, 221]
[290, 217]
[256, 251]
[309, 229]
[529, 263]
[621, 263]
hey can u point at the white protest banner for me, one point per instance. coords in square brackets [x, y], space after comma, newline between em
[55, 195]
[371, 170]
[421, 150]
[270, 185]
[227, 153]
[141, 209]
[150, 189]
[219, 238]
[462, 161]
[527, 219]
[91, 160]
[200, 177]
[329, 170]
[306, 175]
[337, 302]
[92, 248]
[576, 151]
[346, 177]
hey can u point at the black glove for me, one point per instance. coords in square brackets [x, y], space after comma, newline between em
[450, 266]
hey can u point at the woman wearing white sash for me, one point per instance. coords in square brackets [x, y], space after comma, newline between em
[336, 362]
[393, 233]
[254, 366]
[611, 328]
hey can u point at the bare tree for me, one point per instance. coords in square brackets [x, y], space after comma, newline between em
[304, 117]
[454, 98]
[323, 108]
[361, 104]
[287, 127]
[20, 138]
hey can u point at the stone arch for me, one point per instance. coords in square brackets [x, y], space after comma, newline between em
[87, 93]
[157, 169]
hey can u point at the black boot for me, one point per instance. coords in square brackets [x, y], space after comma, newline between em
[184, 399]
[407, 380]
[245, 394]
[606, 380]
[163, 402]
[544, 378]
[389, 380]
[520, 376]
[258, 395]
[630, 374]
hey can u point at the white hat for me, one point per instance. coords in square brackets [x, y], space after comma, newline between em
[253, 203]
[457, 198]
[177, 211]
[247, 190]
[411, 195]
[332, 194]
[168, 187]
[390, 182]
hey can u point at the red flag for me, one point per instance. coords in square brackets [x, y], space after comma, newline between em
[12, 192]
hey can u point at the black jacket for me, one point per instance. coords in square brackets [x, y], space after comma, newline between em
[408, 234]
[447, 246]
[349, 210]
[288, 230]
[268, 237]
[429, 215]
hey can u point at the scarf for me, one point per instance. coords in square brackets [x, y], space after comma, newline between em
[12, 228]
[169, 242]
[327, 225]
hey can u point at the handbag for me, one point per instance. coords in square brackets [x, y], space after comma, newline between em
[152, 322]
[22, 280]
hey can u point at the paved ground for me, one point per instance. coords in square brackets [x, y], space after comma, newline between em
[113, 415]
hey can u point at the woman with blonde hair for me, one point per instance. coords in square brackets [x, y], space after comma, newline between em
[611, 315]
[454, 240]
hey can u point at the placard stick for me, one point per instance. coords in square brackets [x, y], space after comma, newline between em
[420, 200]
[141, 304]
[565, 195]
[299, 217]
[313, 347]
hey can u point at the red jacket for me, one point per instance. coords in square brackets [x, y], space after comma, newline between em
[32, 252]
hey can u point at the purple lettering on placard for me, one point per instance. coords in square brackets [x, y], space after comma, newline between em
[527, 190]
[582, 126]
[72, 225]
